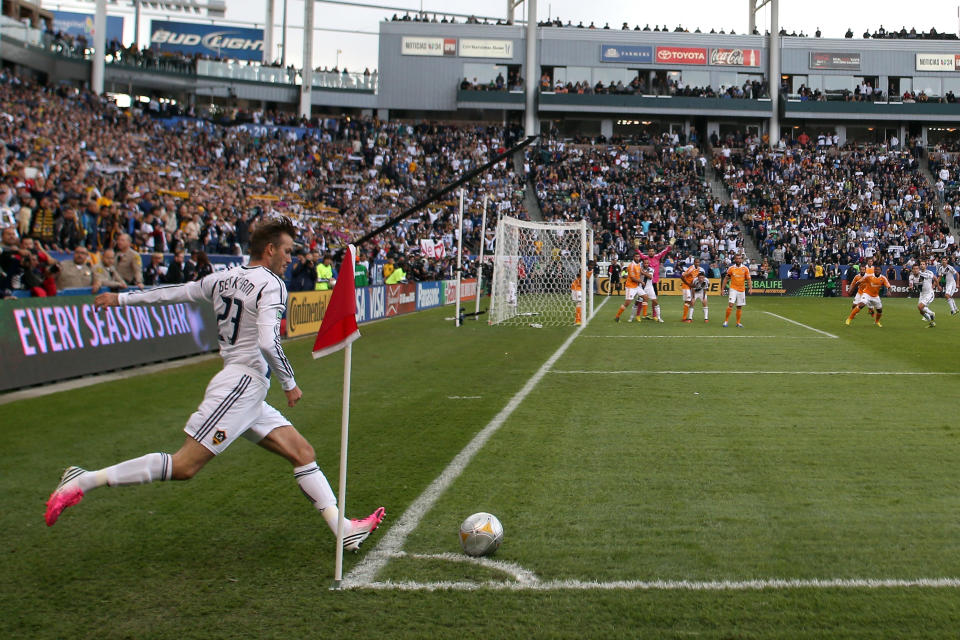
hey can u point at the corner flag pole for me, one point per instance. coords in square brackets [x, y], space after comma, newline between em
[344, 438]
[337, 331]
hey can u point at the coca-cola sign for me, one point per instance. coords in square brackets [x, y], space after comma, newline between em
[681, 55]
[735, 57]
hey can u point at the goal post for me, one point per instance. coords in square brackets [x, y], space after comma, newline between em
[535, 267]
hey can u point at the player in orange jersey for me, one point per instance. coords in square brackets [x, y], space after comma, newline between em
[870, 286]
[637, 276]
[738, 277]
[576, 290]
[687, 279]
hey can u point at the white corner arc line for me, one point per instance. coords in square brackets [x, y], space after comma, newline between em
[392, 542]
[800, 324]
[676, 585]
[518, 573]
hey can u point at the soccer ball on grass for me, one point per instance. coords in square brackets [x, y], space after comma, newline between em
[481, 534]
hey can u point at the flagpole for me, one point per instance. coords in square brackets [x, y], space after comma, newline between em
[344, 431]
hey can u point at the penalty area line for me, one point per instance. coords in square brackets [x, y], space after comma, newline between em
[673, 585]
[392, 543]
[800, 324]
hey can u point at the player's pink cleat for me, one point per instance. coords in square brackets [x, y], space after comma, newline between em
[67, 494]
[360, 530]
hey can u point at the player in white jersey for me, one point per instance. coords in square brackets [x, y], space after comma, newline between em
[249, 302]
[949, 279]
[923, 279]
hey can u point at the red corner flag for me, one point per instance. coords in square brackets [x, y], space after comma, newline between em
[339, 326]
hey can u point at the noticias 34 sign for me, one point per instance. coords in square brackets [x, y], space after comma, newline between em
[207, 40]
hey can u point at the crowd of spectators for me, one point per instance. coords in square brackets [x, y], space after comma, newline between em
[809, 203]
[654, 196]
[85, 173]
[749, 90]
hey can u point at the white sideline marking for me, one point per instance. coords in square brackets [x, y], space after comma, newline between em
[674, 585]
[392, 543]
[464, 397]
[778, 373]
[739, 337]
[800, 324]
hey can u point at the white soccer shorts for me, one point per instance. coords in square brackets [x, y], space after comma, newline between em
[738, 298]
[650, 290]
[859, 299]
[926, 298]
[687, 295]
[634, 292]
[701, 296]
[576, 295]
[233, 405]
[950, 288]
[873, 302]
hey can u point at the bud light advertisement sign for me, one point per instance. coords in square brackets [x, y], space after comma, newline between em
[212, 41]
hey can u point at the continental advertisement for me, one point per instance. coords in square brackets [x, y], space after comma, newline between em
[672, 287]
[48, 339]
[305, 310]
[666, 287]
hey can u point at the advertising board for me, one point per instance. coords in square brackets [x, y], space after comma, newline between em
[305, 311]
[471, 48]
[401, 298]
[626, 53]
[735, 57]
[81, 24]
[827, 60]
[188, 38]
[681, 55]
[429, 295]
[411, 46]
[47, 339]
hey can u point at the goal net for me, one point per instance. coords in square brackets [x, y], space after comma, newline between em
[535, 266]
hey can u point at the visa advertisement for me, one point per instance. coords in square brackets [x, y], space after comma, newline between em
[214, 41]
[81, 24]
[47, 339]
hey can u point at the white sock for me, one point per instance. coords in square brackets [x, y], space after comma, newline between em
[656, 311]
[953, 305]
[705, 314]
[148, 468]
[315, 487]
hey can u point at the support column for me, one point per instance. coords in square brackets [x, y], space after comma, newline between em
[531, 121]
[606, 128]
[136, 24]
[751, 16]
[774, 72]
[99, 47]
[509, 11]
[267, 34]
[307, 74]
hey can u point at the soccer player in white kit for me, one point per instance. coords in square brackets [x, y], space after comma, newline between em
[249, 302]
[923, 278]
[950, 279]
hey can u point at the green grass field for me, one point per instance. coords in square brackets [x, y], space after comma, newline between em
[637, 500]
